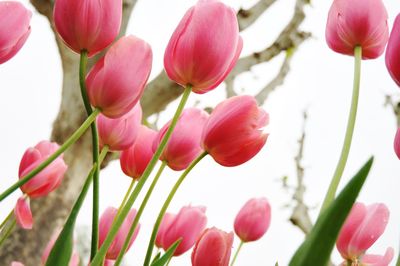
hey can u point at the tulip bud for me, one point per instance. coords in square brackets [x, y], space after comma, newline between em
[48, 179]
[89, 25]
[23, 213]
[120, 133]
[15, 28]
[116, 82]
[186, 225]
[74, 260]
[135, 159]
[397, 143]
[393, 52]
[184, 145]
[165, 223]
[253, 220]
[199, 55]
[233, 133]
[105, 223]
[354, 23]
[363, 226]
[213, 248]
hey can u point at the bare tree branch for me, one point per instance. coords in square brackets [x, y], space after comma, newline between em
[247, 17]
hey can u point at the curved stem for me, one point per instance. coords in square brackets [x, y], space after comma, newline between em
[125, 210]
[128, 192]
[139, 214]
[8, 230]
[71, 140]
[165, 207]
[7, 218]
[330, 196]
[237, 253]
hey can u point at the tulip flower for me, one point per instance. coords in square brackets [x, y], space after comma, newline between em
[74, 260]
[378, 260]
[397, 143]
[253, 220]
[393, 52]
[116, 82]
[105, 223]
[135, 159]
[43, 183]
[233, 133]
[200, 55]
[186, 225]
[165, 223]
[184, 145]
[88, 25]
[14, 29]
[363, 226]
[213, 248]
[16, 263]
[354, 23]
[120, 133]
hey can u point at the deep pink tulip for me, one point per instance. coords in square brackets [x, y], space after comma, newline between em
[354, 23]
[397, 143]
[23, 213]
[165, 223]
[116, 82]
[105, 223]
[393, 52]
[378, 260]
[135, 159]
[89, 25]
[120, 133]
[14, 29]
[233, 133]
[184, 145]
[16, 263]
[363, 226]
[187, 225]
[213, 248]
[200, 55]
[74, 260]
[253, 220]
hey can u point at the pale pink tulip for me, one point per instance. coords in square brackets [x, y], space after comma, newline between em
[363, 226]
[184, 145]
[135, 159]
[105, 223]
[393, 52]
[201, 55]
[378, 260]
[213, 248]
[233, 133]
[186, 225]
[397, 143]
[89, 25]
[354, 23]
[14, 28]
[109, 263]
[16, 263]
[23, 213]
[120, 133]
[116, 82]
[253, 220]
[74, 260]
[165, 223]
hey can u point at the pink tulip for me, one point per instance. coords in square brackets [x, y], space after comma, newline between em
[253, 220]
[184, 145]
[199, 55]
[23, 213]
[89, 25]
[105, 223]
[363, 226]
[14, 29]
[397, 143]
[354, 23]
[393, 52]
[135, 159]
[109, 263]
[16, 263]
[165, 223]
[186, 225]
[74, 260]
[116, 82]
[213, 248]
[120, 133]
[378, 260]
[233, 133]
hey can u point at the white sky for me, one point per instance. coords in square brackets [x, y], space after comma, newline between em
[321, 81]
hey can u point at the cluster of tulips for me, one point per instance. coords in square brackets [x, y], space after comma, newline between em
[200, 54]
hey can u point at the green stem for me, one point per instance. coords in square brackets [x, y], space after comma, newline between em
[165, 207]
[125, 210]
[71, 140]
[237, 253]
[139, 214]
[7, 218]
[8, 231]
[95, 149]
[128, 192]
[330, 195]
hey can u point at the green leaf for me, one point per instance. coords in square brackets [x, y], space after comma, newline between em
[163, 260]
[317, 248]
[61, 253]
[158, 255]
